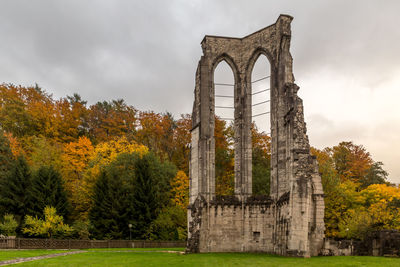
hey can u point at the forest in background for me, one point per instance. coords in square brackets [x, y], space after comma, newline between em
[110, 171]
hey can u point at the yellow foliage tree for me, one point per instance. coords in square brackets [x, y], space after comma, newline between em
[180, 189]
[104, 153]
[52, 225]
[75, 159]
[375, 208]
[337, 203]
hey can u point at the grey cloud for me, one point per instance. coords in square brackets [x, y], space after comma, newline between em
[147, 51]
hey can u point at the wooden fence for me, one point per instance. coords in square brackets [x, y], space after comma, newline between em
[32, 243]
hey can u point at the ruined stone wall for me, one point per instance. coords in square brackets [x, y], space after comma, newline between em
[379, 243]
[228, 224]
[293, 223]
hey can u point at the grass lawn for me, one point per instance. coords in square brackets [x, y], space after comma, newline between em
[140, 258]
[8, 254]
[136, 249]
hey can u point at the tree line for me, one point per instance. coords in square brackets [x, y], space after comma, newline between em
[110, 171]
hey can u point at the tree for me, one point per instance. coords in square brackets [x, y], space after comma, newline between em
[352, 162]
[374, 208]
[75, 160]
[224, 158]
[14, 117]
[81, 229]
[70, 118]
[348, 175]
[42, 150]
[375, 175]
[109, 199]
[180, 190]
[151, 191]
[156, 131]
[329, 177]
[15, 145]
[261, 162]
[133, 189]
[103, 155]
[169, 225]
[51, 226]
[182, 140]
[48, 190]
[108, 120]
[15, 190]
[6, 157]
[337, 203]
[8, 225]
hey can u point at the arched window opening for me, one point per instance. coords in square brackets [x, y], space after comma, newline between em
[223, 130]
[261, 126]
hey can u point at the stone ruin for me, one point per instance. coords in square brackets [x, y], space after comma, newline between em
[291, 220]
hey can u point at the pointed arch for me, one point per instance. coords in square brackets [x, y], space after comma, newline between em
[229, 60]
[224, 93]
[255, 55]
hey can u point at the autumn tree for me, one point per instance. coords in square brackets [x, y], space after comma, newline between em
[346, 171]
[71, 118]
[14, 117]
[156, 131]
[180, 190]
[181, 143]
[329, 176]
[351, 161]
[8, 225]
[110, 120]
[15, 145]
[43, 151]
[52, 225]
[75, 160]
[104, 153]
[375, 208]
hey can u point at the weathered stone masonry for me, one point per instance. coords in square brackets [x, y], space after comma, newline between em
[290, 221]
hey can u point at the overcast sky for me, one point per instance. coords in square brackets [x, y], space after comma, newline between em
[346, 57]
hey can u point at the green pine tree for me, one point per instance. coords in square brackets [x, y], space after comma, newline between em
[104, 215]
[131, 190]
[261, 172]
[112, 210]
[151, 191]
[15, 190]
[47, 190]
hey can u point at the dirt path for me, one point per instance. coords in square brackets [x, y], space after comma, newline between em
[19, 260]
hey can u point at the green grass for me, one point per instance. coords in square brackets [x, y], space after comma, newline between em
[137, 258]
[7, 254]
[136, 249]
